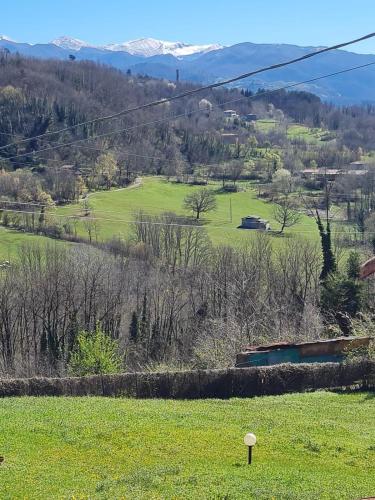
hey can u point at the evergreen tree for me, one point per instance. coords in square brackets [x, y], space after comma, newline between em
[343, 293]
[144, 325]
[353, 265]
[133, 330]
[329, 261]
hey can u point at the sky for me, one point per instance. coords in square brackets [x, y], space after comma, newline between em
[317, 23]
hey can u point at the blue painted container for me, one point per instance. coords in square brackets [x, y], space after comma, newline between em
[320, 351]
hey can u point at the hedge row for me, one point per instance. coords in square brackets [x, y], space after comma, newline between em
[233, 382]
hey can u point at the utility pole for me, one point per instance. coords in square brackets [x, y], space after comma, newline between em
[177, 75]
[230, 210]
[326, 192]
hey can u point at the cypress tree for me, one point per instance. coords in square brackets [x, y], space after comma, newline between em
[329, 261]
[144, 324]
[133, 330]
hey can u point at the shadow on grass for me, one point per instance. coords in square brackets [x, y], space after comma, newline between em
[278, 235]
[368, 392]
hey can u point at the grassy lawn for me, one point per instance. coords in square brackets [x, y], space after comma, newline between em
[115, 209]
[11, 240]
[294, 131]
[265, 125]
[310, 446]
[311, 135]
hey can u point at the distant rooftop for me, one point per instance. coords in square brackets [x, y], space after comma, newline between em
[255, 217]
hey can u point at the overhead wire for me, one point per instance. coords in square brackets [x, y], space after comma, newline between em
[156, 223]
[197, 90]
[173, 117]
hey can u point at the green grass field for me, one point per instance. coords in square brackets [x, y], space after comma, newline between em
[114, 209]
[11, 241]
[295, 130]
[310, 446]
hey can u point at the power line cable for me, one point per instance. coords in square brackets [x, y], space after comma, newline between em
[154, 223]
[166, 119]
[200, 89]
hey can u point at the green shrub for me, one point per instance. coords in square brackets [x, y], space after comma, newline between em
[95, 353]
[341, 293]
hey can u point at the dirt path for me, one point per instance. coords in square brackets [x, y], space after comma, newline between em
[137, 183]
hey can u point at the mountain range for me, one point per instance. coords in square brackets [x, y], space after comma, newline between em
[213, 63]
[144, 47]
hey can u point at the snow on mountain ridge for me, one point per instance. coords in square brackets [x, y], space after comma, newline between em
[145, 47]
[6, 38]
[148, 47]
[65, 42]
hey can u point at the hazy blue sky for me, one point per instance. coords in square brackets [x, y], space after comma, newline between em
[318, 22]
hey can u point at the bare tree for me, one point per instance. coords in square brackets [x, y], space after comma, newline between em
[235, 169]
[86, 206]
[286, 214]
[200, 202]
[92, 228]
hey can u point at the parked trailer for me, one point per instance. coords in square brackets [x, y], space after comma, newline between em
[320, 351]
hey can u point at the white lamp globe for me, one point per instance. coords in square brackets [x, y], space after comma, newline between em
[250, 439]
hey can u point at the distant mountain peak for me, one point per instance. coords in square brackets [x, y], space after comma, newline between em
[144, 47]
[6, 38]
[205, 64]
[148, 47]
[65, 42]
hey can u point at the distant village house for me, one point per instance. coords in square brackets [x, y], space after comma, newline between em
[331, 174]
[358, 165]
[319, 174]
[250, 117]
[230, 113]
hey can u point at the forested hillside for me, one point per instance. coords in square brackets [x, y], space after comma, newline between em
[211, 63]
[158, 283]
[43, 96]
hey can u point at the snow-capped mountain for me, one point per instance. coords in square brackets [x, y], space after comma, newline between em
[143, 47]
[6, 38]
[148, 47]
[212, 63]
[68, 43]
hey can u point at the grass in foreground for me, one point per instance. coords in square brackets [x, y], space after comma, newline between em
[310, 446]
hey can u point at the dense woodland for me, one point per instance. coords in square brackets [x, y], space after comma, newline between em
[170, 299]
[38, 97]
[166, 295]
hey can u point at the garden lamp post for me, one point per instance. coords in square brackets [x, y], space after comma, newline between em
[250, 439]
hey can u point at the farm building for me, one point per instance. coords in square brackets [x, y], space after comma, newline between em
[250, 117]
[230, 113]
[358, 165]
[318, 351]
[319, 174]
[254, 222]
[331, 174]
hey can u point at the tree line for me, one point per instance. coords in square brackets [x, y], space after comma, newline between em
[166, 296]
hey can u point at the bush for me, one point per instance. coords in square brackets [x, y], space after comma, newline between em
[341, 294]
[95, 353]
